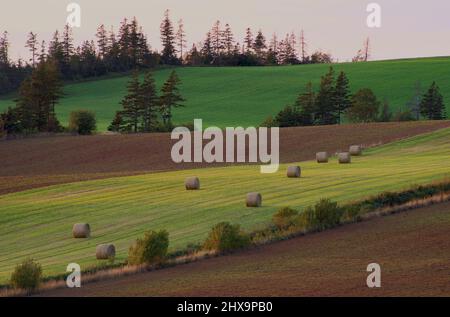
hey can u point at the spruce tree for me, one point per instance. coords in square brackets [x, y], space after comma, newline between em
[305, 106]
[168, 54]
[170, 98]
[150, 103]
[325, 101]
[342, 95]
[132, 105]
[432, 106]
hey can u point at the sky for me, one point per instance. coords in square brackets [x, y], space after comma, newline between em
[413, 28]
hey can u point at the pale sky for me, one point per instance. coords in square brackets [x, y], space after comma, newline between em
[412, 28]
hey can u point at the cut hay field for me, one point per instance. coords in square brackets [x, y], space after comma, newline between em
[38, 162]
[38, 222]
[331, 263]
[233, 96]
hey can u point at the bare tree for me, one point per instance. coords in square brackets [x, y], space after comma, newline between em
[303, 46]
[181, 38]
[32, 45]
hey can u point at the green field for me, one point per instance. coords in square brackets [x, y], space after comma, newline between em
[38, 222]
[232, 96]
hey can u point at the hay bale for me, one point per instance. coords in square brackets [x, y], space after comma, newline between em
[322, 157]
[81, 230]
[344, 158]
[254, 200]
[294, 171]
[355, 150]
[192, 183]
[105, 251]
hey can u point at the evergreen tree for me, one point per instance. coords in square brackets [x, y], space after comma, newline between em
[248, 41]
[168, 55]
[207, 50]
[432, 106]
[305, 106]
[260, 46]
[342, 95]
[132, 105]
[102, 41]
[38, 96]
[4, 50]
[216, 39]
[325, 100]
[170, 97]
[228, 40]
[150, 103]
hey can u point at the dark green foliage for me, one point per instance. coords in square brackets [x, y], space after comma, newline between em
[285, 218]
[288, 117]
[403, 115]
[385, 114]
[82, 122]
[27, 275]
[170, 97]
[432, 106]
[342, 95]
[365, 106]
[306, 106]
[325, 108]
[225, 237]
[168, 54]
[152, 249]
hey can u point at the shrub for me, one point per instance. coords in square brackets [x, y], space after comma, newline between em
[325, 214]
[27, 275]
[82, 122]
[226, 237]
[152, 249]
[284, 218]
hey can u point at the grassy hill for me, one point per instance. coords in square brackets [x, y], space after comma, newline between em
[38, 222]
[232, 96]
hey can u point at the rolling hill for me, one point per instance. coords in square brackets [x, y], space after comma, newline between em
[233, 96]
[38, 222]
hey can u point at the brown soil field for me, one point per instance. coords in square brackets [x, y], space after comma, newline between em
[37, 162]
[412, 248]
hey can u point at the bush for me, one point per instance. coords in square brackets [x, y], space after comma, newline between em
[82, 122]
[226, 237]
[27, 275]
[325, 214]
[284, 218]
[152, 249]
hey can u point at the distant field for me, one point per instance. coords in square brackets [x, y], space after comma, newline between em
[38, 162]
[412, 248]
[38, 222]
[232, 96]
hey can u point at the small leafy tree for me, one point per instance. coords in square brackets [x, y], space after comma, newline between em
[364, 106]
[226, 237]
[27, 275]
[151, 249]
[82, 122]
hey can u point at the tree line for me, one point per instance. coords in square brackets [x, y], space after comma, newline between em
[333, 102]
[130, 49]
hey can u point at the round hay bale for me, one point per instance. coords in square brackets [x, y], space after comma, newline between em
[322, 157]
[105, 251]
[344, 158]
[192, 183]
[355, 150]
[81, 230]
[294, 171]
[254, 200]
